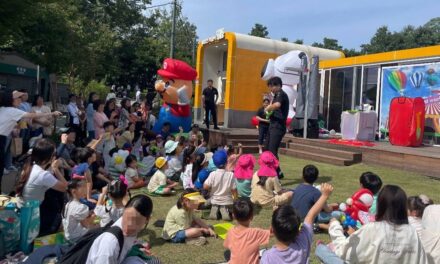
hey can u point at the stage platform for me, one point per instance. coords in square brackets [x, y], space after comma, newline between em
[424, 160]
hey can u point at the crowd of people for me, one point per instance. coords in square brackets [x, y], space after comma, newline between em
[96, 184]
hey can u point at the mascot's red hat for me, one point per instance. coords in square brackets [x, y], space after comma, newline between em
[176, 69]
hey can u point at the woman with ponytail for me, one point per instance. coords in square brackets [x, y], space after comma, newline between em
[41, 173]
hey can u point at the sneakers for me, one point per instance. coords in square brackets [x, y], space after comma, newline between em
[199, 241]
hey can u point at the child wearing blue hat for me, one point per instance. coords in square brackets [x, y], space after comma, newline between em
[222, 187]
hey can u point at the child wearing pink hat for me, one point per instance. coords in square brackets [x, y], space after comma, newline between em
[266, 188]
[243, 174]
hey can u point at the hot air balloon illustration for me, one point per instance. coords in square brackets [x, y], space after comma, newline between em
[397, 80]
[432, 78]
[416, 79]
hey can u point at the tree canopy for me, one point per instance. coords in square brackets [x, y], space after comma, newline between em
[259, 31]
[383, 40]
[120, 42]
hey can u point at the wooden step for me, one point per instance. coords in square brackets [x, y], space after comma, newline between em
[242, 137]
[350, 155]
[249, 149]
[317, 157]
[316, 143]
[248, 141]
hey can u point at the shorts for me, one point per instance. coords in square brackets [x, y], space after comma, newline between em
[159, 190]
[180, 237]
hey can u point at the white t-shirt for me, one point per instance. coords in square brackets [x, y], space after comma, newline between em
[9, 116]
[73, 214]
[159, 179]
[221, 183]
[174, 167]
[130, 173]
[38, 183]
[106, 217]
[105, 249]
[186, 177]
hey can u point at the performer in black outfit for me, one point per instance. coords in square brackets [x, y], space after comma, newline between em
[278, 111]
[209, 98]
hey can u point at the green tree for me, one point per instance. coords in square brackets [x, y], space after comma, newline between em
[328, 43]
[284, 39]
[299, 41]
[185, 35]
[259, 31]
[409, 37]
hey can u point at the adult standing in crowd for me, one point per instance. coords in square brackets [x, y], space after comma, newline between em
[278, 111]
[111, 111]
[124, 116]
[25, 123]
[74, 121]
[41, 125]
[90, 112]
[138, 95]
[9, 116]
[209, 98]
[99, 118]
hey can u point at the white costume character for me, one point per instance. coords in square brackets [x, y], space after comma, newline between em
[288, 67]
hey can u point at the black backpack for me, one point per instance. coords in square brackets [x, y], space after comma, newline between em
[79, 252]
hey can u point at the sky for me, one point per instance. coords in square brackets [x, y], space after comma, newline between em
[352, 22]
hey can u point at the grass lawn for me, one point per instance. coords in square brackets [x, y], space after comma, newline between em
[344, 179]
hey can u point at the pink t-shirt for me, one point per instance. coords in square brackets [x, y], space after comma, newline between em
[245, 243]
[98, 120]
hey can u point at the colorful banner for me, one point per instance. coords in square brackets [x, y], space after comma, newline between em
[422, 80]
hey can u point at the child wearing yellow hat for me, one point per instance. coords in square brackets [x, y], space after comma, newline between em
[181, 225]
[159, 184]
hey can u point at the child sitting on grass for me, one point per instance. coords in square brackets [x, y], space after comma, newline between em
[306, 195]
[174, 167]
[181, 226]
[188, 159]
[77, 219]
[84, 158]
[293, 239]
[243, 174]
[158, 183]
[146, 164]
[221, 185]
[131, 173]
[232, 157]
[243, 241]
[372, 182]
[266, 188]
[116, 191]
[416, 207]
